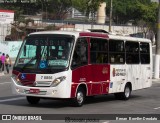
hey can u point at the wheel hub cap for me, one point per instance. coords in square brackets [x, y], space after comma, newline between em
[80, 97]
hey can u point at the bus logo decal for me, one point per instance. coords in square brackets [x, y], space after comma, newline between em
[118, 72]
[114, 72]
[105, 70]
[43, 64]
[23, 76]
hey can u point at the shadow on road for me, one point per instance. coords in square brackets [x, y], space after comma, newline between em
[51, 103]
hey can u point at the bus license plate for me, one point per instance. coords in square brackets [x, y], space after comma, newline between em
[34, 91]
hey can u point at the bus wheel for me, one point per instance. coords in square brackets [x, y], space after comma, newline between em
[80, 97]
[33, 100]
[124, 95]
[127, 92]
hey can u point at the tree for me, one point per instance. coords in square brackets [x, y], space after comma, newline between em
[87, 6]
[148, 12]
[125, 10]
[143, 13]
[148, 20]
[59, 8]
[17, 10]
[80, 5]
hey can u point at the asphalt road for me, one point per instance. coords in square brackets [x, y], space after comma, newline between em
[145, 101]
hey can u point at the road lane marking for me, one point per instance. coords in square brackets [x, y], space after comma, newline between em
[12, 99]
[4, 83]
[157, 108]
[105, 122]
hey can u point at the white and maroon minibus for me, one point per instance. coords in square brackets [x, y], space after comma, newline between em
[77, 64]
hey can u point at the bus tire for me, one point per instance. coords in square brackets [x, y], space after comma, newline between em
[80, 97]
[33, 100]
[127, 92]
[124, 95]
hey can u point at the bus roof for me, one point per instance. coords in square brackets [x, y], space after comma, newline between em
[128, 38]
[74, 33]
[93, 34]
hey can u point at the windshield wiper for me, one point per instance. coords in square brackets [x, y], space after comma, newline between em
[28, 63]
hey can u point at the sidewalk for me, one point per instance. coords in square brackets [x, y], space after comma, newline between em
[5, 74]
[1, 74]
[10, 69]
[156, 80]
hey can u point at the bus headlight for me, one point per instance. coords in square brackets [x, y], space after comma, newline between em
[16, 79]
[57, 81]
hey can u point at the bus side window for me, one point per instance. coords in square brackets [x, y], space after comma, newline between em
[132, 52]
[80, 55]
[129, 59]
[144, 53]
[76, 59]
[102, 58]
[116, 51]
[112, 59]
[98, 51]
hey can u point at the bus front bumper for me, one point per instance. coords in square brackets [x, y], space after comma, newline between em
[48, 92]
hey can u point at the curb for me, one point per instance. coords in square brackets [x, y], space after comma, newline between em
[156, 80]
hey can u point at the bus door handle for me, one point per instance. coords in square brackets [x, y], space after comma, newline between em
[123, 79]
[137, 78]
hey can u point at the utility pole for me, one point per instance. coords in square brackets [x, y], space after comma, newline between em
[42, 9]
[110, 16]
[157, 55]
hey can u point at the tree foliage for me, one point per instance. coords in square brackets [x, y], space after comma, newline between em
[123, 10]
[87, 6]
[148, 12]
[17, 9]
[135, 10]
[60, 8]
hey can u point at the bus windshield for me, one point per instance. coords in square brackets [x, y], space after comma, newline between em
[45, 52]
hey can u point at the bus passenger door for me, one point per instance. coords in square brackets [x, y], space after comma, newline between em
[100, 79]
[79, 66]
[146, 64]
[99, 66]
